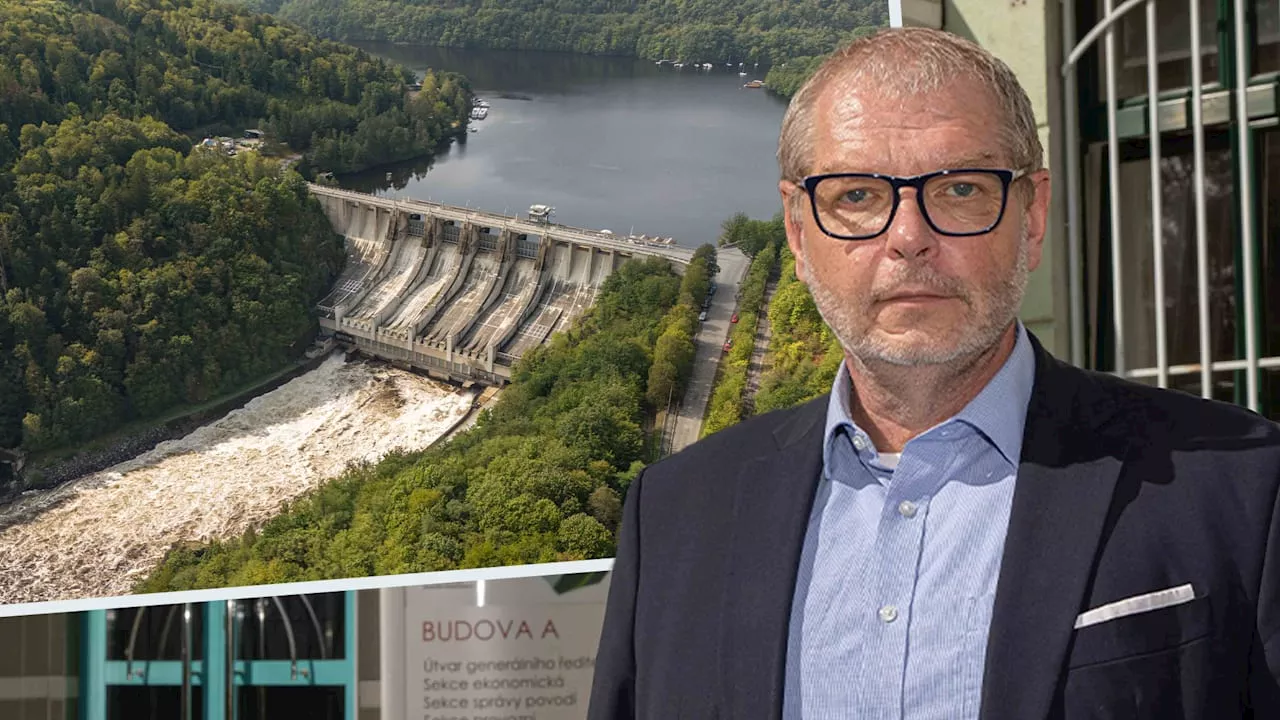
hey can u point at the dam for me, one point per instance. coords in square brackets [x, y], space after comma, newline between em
[458, 293]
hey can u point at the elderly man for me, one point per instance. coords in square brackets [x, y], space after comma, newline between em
[966, 527]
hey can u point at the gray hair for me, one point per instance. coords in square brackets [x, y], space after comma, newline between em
[904, 62]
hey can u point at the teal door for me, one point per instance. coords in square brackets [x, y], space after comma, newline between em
[276, 657]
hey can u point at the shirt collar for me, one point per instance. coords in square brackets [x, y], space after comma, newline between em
[999, 411]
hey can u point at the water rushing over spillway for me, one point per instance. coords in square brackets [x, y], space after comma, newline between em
[100, 534]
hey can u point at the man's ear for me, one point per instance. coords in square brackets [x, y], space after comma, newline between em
[792, 205]
[1037, 217]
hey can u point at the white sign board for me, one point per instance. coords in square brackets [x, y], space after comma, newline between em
[518, 649]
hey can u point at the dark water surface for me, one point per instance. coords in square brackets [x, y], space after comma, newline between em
[611, 143]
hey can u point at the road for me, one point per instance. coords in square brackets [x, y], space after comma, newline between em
[710, 342]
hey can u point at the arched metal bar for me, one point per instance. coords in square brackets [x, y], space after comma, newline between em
[133, 639]
[164, 629]
[1097, 31]
[288, 632]
[315, 622]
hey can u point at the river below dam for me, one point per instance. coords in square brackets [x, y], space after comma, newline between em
[100, 534]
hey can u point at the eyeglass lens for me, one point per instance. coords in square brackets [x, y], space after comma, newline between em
[958, 203]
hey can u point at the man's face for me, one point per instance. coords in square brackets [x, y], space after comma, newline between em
[912, 296]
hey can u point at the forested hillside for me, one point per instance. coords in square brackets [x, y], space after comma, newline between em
[786, 79]
[764, 31]
[803, 353]
[540, 478]
[135, 272]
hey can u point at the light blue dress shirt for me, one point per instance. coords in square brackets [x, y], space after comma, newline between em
[898, 573]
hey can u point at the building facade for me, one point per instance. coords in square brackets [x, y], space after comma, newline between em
[434, 651]
[1191, 301]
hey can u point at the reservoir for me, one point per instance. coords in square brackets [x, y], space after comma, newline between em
[611, 143]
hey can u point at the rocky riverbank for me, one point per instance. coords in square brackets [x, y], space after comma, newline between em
[86, 463]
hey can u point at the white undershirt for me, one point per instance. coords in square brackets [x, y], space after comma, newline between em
[889, 460]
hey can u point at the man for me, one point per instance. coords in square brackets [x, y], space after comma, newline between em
[966, 527]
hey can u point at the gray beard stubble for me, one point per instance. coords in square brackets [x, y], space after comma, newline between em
[988, 331]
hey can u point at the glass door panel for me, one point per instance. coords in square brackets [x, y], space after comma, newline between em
[235, 660]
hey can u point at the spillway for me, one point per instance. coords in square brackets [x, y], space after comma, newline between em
[461, 293]
[420, 297]
[466, 303]
[520, 281]
[405, 260]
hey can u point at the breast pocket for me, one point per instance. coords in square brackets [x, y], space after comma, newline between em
[1152, 664]
[1140, 634]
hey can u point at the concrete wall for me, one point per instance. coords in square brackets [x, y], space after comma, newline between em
[1026, 35]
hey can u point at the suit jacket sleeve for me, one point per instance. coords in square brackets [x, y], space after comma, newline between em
[613, 687]
[1265, 680]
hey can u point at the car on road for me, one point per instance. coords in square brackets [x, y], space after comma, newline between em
[702, 317]
[734, 319]
[728, 346]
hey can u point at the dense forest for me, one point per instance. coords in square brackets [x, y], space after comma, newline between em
[765, 31]
[760, 239]
[804, 354]
[539, 478]
[786, 79]
[139, 270]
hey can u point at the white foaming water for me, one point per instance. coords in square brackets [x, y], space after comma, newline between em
[100, 534]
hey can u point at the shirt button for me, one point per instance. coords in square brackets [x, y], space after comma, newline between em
[859, 443]
[907, 509]
[888, 613]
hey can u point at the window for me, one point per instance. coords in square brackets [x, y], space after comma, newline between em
[1173, 47]
[1133, 273]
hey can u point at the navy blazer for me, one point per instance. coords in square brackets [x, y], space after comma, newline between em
[1122, 490]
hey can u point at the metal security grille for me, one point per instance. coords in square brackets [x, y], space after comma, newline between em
[1172, 170]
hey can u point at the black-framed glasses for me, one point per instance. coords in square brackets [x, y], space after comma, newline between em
[958, 203]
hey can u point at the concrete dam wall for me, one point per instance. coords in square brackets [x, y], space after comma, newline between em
[458, 293]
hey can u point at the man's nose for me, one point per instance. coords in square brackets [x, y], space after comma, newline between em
[909, 236]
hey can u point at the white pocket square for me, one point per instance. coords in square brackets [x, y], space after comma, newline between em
[1137, 604]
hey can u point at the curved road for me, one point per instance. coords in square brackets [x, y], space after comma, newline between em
[710, 342]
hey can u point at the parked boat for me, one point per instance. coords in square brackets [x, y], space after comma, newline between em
[754, 84]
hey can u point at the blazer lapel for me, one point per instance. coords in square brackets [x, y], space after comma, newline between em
[1068, 472]
[772, 505]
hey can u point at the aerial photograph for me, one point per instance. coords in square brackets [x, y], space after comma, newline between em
[312, 290]
[639, 359]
